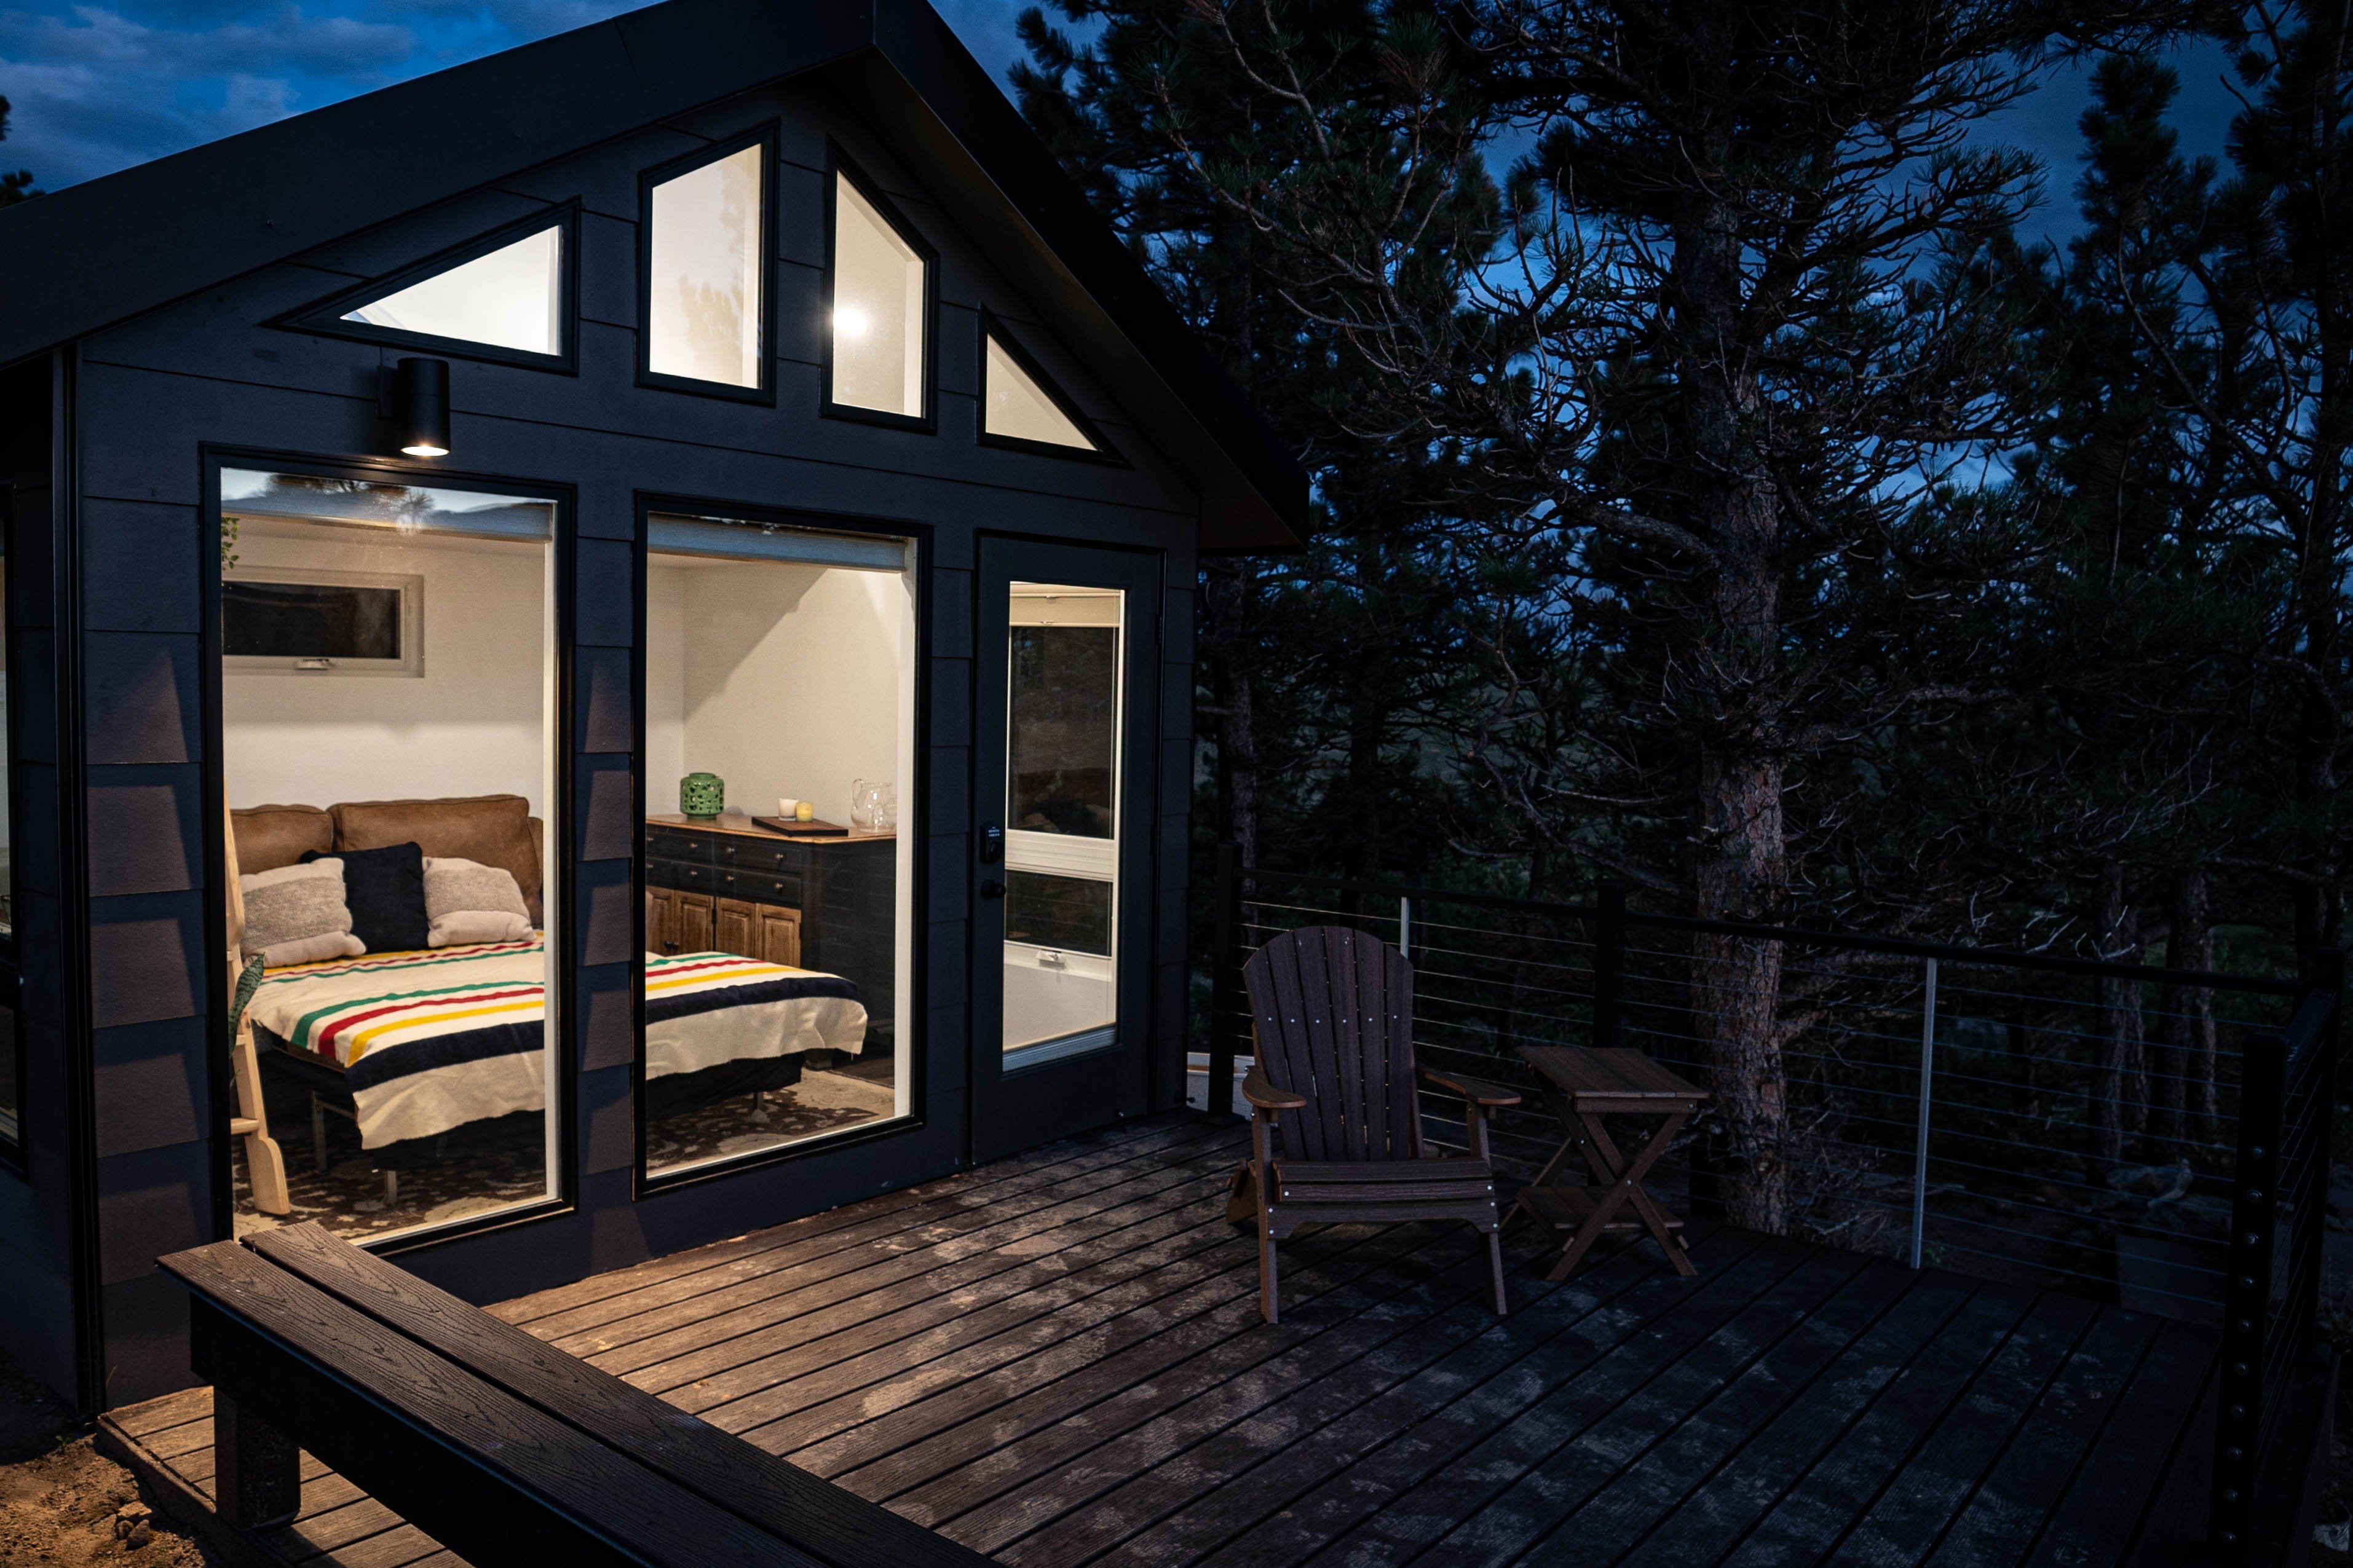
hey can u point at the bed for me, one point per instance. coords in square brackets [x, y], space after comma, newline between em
[427, 1042]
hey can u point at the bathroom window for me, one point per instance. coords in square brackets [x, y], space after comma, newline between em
[878, 327]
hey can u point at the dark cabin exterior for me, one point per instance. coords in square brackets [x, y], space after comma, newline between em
[170, 335]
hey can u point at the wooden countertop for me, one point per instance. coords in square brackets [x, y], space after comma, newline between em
[743, 826]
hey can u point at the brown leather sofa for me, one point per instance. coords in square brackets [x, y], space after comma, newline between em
[494, 829]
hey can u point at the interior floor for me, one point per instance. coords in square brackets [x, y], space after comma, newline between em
[492, 1164]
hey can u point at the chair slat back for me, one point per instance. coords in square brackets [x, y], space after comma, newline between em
[1332, 1010]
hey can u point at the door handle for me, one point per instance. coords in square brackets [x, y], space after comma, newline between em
[992, 845]
[992, 889]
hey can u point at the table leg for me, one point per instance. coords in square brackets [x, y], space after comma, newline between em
[1545, 1178]
[1628, 1176]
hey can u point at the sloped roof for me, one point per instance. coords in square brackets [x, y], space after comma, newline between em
[92, 254]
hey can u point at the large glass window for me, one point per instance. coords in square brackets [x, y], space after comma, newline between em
[511, 298]
[880, 315]
[779, 874]
[1061, 840]
[389, 775]
[704, 275]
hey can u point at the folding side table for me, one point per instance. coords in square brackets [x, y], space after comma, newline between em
[1583, 1084]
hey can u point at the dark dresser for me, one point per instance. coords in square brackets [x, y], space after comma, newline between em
[825, 903]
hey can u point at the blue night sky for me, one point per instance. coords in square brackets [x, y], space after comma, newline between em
[99, 86]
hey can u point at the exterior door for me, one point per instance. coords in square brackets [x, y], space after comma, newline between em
[1065, 754]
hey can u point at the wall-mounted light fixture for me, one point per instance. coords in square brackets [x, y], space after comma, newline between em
[420, 406]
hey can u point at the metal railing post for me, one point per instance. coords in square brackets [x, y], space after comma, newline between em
[1225, 971]
[1608, 963]
[2247, 1296]
[1405, 924]
[1927, 1097]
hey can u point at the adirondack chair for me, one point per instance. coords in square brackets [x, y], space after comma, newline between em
[1331, 1013]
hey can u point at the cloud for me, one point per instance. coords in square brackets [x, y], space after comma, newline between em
[100, 87]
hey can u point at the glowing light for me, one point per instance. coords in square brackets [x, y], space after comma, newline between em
[851, 321]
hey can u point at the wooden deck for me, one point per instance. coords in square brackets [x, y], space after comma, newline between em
[1058, 1359]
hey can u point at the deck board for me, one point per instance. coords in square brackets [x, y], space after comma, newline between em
[1058, 1359]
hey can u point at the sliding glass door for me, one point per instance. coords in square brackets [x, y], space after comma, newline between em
[1064, 756]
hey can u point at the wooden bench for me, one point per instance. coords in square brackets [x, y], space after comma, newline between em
[505, 1449]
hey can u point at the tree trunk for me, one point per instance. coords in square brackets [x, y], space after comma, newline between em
[2120, 1078]
[1227, 588]
[1736, 988]
[2187, 1089]
[1737, 679]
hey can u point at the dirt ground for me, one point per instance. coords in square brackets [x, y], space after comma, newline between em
[62, 1505]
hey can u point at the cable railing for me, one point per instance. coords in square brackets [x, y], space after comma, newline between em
[2151, 1137]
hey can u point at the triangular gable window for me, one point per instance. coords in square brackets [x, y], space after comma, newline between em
[1020, 407]
[503, 296]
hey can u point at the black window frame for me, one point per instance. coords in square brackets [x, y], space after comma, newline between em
[913, 1007]
[765, 138]
[839, 167]
[560, 841]
[324, 317]
[12, 990]
[993, 329]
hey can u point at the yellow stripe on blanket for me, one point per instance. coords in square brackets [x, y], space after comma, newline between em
[364, 1038]
[732, 975]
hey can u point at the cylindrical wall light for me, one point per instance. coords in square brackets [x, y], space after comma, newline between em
[421, 404]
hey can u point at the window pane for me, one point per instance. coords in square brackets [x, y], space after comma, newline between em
[1018, 407]
[309, 620]
[705, 276]
[878, 309]
[399, 1028]
[780, 663]
[513, 299]
[1057, 911]
[1061, 847]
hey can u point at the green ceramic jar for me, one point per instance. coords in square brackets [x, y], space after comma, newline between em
[702, 795]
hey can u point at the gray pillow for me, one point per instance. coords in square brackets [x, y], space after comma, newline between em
[296, 914]
[466, 902]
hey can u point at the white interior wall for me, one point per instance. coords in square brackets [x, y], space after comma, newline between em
[473, 724]
[783, 679]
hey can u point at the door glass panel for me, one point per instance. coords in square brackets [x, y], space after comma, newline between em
[1061, 844]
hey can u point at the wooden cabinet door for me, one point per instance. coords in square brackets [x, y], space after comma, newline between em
[780, 935]
[693, 916]
[737, 930]
[661, 921]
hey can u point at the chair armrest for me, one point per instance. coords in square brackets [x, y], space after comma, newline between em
[1475, 1091]
[1264, 1096]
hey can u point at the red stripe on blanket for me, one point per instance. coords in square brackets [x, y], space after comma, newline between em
[327, 1035]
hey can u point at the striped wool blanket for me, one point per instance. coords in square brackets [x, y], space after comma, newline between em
[432, 1040]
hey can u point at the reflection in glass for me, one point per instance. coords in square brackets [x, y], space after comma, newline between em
[704, 272]
[878, 309]
[1061, 856]
[782, 660]
[395, 1049]
[9, 1030]
[510, 299]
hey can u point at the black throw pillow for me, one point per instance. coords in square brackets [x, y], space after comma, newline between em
[384, 890]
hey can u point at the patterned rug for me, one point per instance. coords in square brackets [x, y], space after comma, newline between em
[494, 1165]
